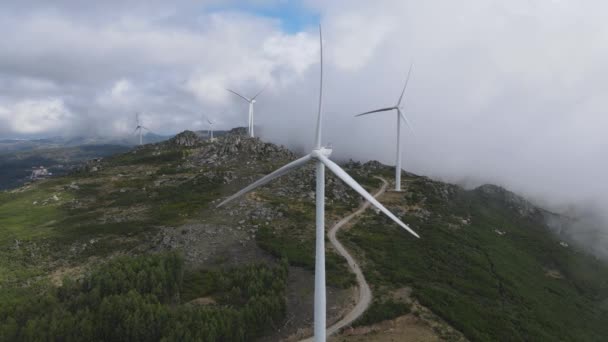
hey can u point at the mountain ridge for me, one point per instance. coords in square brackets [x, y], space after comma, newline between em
[480, 249]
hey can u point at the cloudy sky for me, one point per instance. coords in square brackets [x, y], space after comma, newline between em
[509, 92]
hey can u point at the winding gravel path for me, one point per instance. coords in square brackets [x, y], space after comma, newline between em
[365, 294]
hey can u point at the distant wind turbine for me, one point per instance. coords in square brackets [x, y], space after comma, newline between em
[251, 101]
[139, 128]
[210, 131]
[320, 155]
[399, 117]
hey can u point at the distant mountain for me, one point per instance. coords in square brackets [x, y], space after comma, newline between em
[16, 168]
[57, 155]
[20, 145]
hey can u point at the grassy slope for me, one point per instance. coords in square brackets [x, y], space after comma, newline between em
[115, 206]
[490, 287]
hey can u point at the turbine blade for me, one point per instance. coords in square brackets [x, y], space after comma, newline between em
[147, 129]
[407, 122]
[277, 173]
[239, 95]
[337, 170]
[376, 111]
[405, 86]
[209, 121]
[261, 91]
[135, 130]
[319, 116]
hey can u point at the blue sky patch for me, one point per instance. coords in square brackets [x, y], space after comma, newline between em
[293, 15]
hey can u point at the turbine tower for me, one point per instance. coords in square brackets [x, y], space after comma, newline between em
[320, 155]
[399, 117]
[139, 127]
[210, 131]
[251, 101]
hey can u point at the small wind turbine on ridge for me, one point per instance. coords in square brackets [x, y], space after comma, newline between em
[139, 127]
[251, 102]
[320, 156]
[399, 117]
[210, 131]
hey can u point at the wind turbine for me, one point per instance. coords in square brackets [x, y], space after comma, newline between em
[399, 117]
[210, 131]
[320, 155]
[139, 127]
[251, 101]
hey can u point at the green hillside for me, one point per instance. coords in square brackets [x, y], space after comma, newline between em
[137, 238]
[486, 264]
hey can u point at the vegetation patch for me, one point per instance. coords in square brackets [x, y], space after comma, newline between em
[491, 287]
[301, 252]
[138, 299]
[29, 214]
[381, 311]
[147, 155]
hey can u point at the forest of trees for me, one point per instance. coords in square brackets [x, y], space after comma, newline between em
[140, 299]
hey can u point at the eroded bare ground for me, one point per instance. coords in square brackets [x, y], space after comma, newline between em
[419, 325]
[403, 329]
[205, 245]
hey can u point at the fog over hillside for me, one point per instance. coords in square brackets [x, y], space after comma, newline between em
[501, 92]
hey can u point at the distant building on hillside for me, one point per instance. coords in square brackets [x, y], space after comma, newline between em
[40, 172]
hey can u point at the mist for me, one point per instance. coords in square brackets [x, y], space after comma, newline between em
[504, 93]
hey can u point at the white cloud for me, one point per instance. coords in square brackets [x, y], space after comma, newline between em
[122, 95]
[275, 59]
[356, 37]
[35, 116]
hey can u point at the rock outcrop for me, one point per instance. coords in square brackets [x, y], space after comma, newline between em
[186, 138]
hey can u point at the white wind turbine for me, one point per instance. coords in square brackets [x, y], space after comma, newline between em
[251, 102]
[399, 117]
[320, 155]
[210, 131]
[139, 128]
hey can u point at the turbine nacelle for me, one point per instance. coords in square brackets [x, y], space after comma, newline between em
[323, 151]
[399, 108]
[251, 102]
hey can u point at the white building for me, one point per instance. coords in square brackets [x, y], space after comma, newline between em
[40, 172]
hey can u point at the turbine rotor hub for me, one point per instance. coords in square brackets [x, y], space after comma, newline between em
[326, 152]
